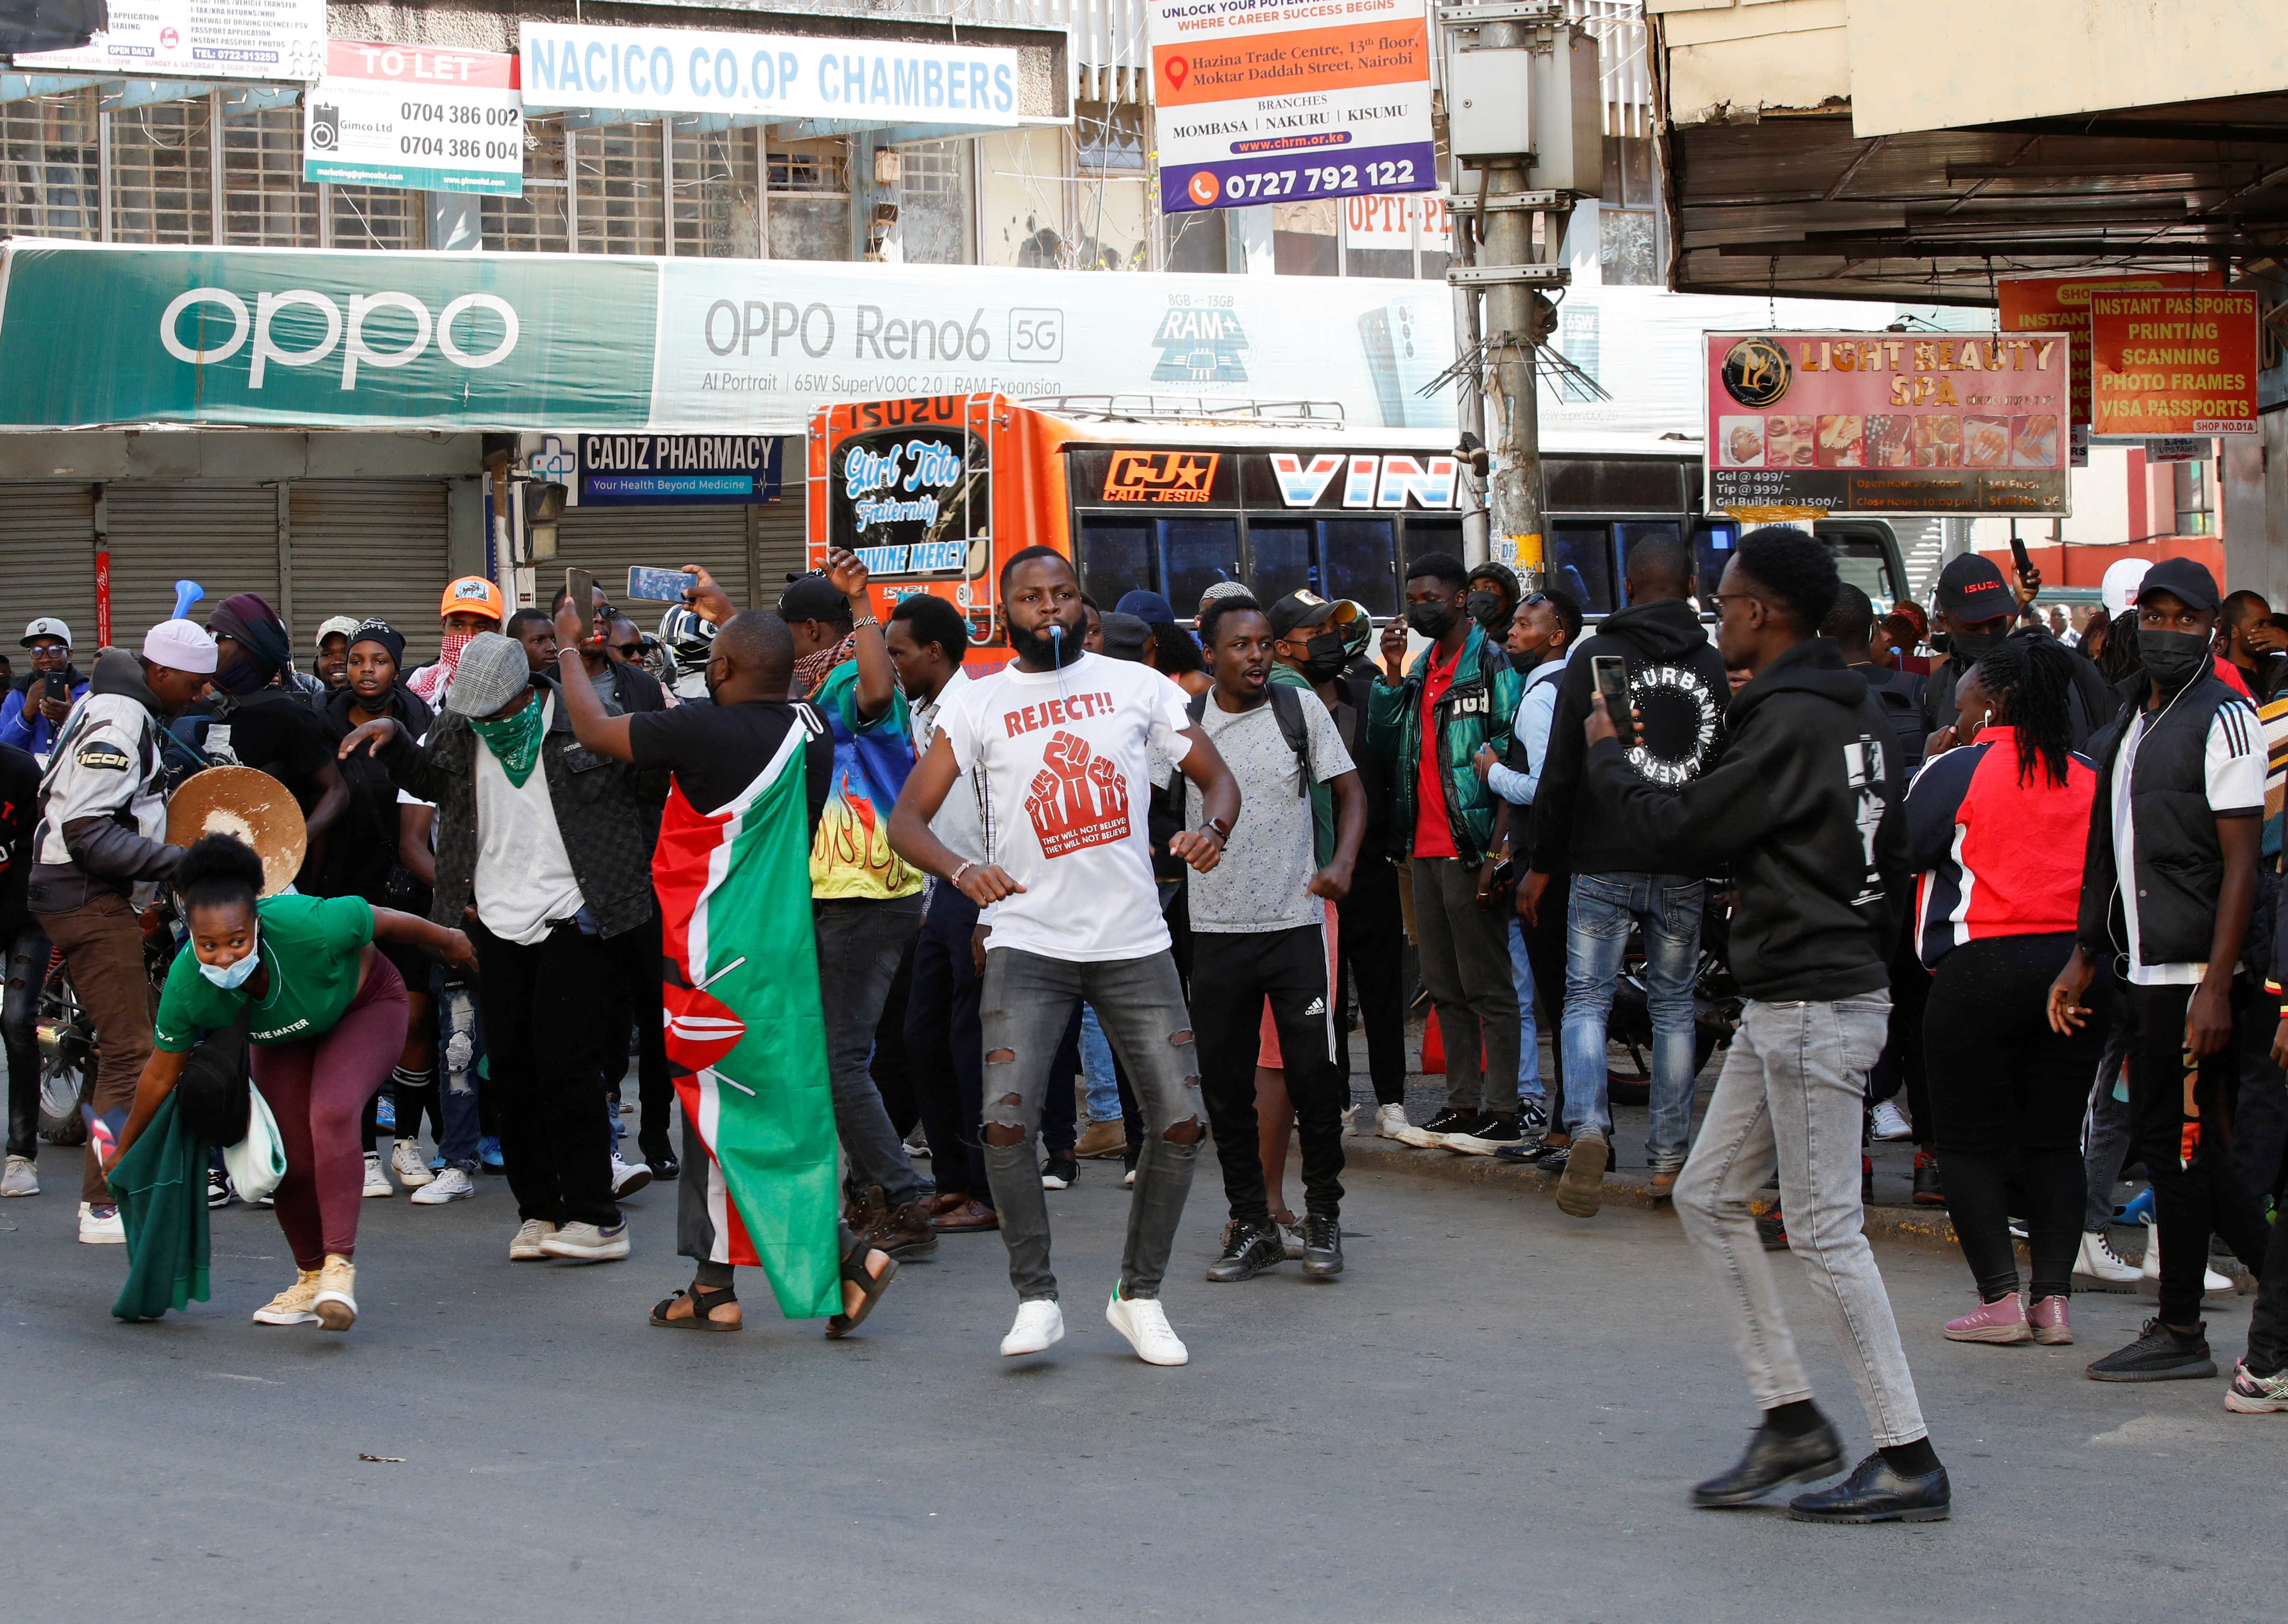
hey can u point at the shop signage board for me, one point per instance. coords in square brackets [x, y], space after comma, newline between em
[93, 335]
[2172, 363]
[2061, 304]
[665, 470]
[1878, 423]
[201, 39]
[1283, 99]
[416, 118]
[570, 64]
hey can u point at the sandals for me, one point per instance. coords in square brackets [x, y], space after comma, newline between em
[854, 1272]
[702, 1304]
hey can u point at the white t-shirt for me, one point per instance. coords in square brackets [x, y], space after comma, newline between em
[1063, 761]
[2233, 763]
[1263, 882]
[523, 880]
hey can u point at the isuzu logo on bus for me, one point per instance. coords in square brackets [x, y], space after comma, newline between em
[343, 332]
[1368, 481]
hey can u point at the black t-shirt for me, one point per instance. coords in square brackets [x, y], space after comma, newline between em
[715, 751]
[275, 733]
[19, 812]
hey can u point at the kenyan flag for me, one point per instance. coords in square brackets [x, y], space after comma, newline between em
[744, 1035]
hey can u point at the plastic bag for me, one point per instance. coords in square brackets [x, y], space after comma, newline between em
[256, 1162]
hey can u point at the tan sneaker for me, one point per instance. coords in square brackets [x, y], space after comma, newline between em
[291, 1306]
[525, 1246]
[336, 1307]
[1101, 1139]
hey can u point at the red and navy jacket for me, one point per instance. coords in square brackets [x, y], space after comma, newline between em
[1995, 857]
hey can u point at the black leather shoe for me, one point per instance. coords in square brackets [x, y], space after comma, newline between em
[1874, 1493]
[1322, 1248]
[1771, 1461]
[1248, 1253]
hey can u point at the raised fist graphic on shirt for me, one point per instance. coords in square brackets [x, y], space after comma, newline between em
[1078, 798]
[1066, 754]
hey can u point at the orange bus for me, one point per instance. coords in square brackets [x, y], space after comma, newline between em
[1173, 495]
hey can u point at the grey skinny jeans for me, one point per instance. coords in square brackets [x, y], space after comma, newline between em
[1793, 1090]
[1026, 1005]
[860, 943]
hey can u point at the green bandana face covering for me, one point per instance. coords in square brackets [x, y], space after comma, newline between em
[514, 741]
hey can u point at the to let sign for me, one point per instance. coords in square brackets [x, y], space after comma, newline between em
[2172, 363]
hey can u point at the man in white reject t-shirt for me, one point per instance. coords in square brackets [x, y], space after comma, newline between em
[1058, 745]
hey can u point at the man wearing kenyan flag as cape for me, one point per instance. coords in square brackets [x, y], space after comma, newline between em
[744, 1033]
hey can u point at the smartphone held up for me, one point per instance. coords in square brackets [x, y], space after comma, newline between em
[1610, 674]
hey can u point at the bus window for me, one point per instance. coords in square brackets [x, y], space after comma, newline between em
[1195, 554]
[1863, 565]
[1115, 558]
[1580, 563]
[1631, 534]
[1712, 551]
[1356, 556]
[1279, 559]
[1428, 534]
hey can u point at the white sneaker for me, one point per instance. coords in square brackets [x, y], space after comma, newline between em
[1350, 1122]
[377, 1181]
[450, 1185]
[529, 1245]
[1040, 1325]
[410, 1166]
[22, 1177]
[1887, 1122]
[1145, 1325]
[2212, 1284]
[2099, 1262]
[1390, 1122]
[628, 1178]
[101, 1226]
[588, 1243]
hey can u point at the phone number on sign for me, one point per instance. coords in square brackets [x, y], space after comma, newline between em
[1331, 177]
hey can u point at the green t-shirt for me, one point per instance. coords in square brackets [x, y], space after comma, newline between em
[319, 938]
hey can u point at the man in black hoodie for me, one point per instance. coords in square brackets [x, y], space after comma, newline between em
[1804, 806]
[1677, 684]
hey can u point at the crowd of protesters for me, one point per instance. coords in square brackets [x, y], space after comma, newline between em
[866, 903]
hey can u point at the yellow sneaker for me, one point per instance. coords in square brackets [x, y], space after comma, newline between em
[336, 1308]
[291, 1306]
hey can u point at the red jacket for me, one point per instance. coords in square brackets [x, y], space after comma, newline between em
[1995, 857]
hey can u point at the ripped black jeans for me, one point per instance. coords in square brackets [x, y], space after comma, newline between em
[1027, 1003]
[27, 954]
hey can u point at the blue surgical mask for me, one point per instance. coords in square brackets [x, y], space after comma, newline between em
[231, 977]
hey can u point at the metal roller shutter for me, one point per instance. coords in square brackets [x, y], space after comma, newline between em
[781, 545]
[224, 537]
[370, 549]
[47, 562]
[606, 541]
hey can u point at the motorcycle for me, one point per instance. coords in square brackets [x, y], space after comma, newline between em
[1715, 1011]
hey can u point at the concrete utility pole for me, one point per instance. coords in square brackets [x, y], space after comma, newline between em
[1514, 318]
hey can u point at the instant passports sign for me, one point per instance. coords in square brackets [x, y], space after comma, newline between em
[1264, 99]
[1870, 422]
[678, 70]
[656, 470]
[2172, 363]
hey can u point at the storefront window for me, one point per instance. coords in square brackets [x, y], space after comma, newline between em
[716, 194]
[934, 203]
[620, 206]
[535, 223]
[159, 173]
[265, 202]
[807, 214]
[1021, 193]
[49, 179]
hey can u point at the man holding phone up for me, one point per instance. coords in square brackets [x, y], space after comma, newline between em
[1654, 656]
[46, 694]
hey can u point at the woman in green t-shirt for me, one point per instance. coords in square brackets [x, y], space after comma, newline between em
[325, 1014]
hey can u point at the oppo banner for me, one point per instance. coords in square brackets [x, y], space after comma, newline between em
[93, 335]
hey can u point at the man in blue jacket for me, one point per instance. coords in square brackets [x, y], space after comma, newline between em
[30, 716]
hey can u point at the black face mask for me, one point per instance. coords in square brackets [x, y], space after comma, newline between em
[1326, 657]
[1526, 661]
[2173, 658]
[1053, 646]
[1486, 609]
[1433, 619]
[1971, 646]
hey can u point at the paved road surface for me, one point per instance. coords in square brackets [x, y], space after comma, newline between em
[1494, 1415]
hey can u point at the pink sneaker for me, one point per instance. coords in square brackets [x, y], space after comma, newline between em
[2053, 1326]
[2002, 1321]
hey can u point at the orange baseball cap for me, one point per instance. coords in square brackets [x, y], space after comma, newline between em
[472, 595]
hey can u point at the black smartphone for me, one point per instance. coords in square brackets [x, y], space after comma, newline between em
[56, 688]
[2025, 564]
[580, 587]
[1610, 673]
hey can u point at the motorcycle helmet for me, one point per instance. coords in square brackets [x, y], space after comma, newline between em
[690, 640]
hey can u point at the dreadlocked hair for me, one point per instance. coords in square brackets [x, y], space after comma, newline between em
[2033, 679]
[2119, 660]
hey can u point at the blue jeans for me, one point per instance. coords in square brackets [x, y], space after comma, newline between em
[462, 1043]
[1096, 1067]
[1603, 908]
[1529, 1039]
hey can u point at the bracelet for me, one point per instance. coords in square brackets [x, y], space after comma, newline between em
[1221, 837]
[864, 620]
[954, 879]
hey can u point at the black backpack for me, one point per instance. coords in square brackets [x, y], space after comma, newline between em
[1287, 709]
